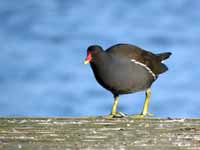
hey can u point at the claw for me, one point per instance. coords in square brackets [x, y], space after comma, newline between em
[149, 114]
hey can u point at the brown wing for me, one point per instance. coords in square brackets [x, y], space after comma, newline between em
[151, 60]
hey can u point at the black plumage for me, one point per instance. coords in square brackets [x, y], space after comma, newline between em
[125, 68]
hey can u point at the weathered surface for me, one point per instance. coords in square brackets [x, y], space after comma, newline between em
[98, 133]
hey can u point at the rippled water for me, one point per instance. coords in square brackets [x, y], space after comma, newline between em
[43, 45]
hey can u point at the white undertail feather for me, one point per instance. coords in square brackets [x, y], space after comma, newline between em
[146, 67]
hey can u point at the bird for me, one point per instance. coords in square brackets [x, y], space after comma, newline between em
[126, 68]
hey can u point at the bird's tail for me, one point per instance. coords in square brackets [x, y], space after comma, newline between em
[163, 56]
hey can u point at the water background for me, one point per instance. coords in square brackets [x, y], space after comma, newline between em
[43, 44]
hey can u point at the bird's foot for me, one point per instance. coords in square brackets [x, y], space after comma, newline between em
[116, 115]
[142, 115]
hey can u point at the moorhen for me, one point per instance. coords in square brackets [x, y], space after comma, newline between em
[126, 68]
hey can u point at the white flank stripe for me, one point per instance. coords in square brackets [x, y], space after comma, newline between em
[143, 65]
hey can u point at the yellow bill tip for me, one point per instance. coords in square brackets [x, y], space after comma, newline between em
[86, 62]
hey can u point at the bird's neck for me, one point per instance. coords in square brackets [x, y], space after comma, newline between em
[101, 59]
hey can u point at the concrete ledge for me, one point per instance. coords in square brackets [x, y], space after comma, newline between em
[99, 133]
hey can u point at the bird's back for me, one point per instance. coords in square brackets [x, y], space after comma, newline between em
[132, 52]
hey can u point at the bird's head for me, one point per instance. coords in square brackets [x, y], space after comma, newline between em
[92, 52]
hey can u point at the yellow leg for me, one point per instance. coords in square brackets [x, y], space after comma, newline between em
[146, 102]
[145, 107]
[114, 107]
[114, 113]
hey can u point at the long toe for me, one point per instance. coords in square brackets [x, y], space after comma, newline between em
[137, 116]
[141, 115]
[116, 115]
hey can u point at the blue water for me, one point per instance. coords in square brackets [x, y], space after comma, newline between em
[43, 44]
